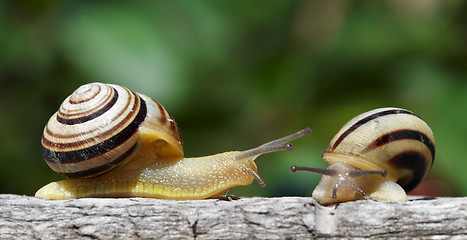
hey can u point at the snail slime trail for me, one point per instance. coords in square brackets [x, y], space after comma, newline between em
[140, 154]
[380, 154]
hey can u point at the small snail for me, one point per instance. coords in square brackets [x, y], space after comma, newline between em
[112, 142]
[380, 154]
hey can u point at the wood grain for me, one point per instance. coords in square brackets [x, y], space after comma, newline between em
[23, 217]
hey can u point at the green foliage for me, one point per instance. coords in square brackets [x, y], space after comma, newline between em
[237, 74]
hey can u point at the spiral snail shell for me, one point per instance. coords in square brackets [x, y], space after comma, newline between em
[112, 142]
[380, 154]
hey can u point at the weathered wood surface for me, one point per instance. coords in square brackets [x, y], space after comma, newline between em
[23, 217]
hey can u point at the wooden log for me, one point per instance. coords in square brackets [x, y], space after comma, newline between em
[23, 217]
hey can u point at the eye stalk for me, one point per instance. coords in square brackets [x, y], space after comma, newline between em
[342, 176]
[272, 146]
[276, 145]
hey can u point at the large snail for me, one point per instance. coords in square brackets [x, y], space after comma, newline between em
[112, 142]
[380, 154]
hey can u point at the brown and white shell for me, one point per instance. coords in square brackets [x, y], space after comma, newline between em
[96, 128]
[391, 139]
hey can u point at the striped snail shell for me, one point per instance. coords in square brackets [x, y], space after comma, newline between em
[112, 142]
[380, 154]
[96, 128]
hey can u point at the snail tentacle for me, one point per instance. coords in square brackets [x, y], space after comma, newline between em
[273, 146]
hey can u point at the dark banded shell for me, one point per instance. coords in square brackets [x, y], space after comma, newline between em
[391, 139]
[96, 128]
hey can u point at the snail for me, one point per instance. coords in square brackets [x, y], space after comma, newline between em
[112, 142]
[380, 155]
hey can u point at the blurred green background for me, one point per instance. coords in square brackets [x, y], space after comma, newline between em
[236, 74]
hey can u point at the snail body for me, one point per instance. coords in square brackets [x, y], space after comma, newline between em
[112, 142]
[380, 154]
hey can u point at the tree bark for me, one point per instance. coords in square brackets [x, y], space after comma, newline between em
[23, 217]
